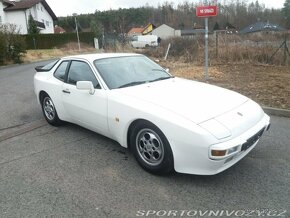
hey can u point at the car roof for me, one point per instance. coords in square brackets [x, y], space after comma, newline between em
[96, 56]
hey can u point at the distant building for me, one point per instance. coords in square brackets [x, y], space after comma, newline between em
[197, 26]
[262, 27]
[148, 29]
[58, 30]
[18, 11]
[191, 33]
[138, 31]
[165, 32]
[135, 31]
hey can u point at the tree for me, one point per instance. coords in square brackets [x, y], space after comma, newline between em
[12, 45]
[286, 12]
[229, 26]
[32, 26]
[216, 26]
[239, 13]
[96, 28]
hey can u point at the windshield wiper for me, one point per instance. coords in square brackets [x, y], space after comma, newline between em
[132, 84]
[161, 78]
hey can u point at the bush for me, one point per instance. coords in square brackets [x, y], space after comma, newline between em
[12, 45]
[17, 48]
[183, 49]
[49, 41]
[2, 48]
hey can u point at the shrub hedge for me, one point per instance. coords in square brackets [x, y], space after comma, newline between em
[12, 45]
[49, 41]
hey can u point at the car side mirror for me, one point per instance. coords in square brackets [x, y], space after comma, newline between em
[86, 85]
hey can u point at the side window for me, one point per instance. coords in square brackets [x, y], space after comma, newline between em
[81, 71]
[60, 71]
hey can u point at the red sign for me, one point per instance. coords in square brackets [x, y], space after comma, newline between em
[206, 11]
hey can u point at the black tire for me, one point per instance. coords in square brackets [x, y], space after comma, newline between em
[146, 46]
[156, 155]
[49, 111]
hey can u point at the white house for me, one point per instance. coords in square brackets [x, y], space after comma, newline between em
[18, 11]
[165, 32]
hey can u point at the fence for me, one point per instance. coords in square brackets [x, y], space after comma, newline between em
[265, 47]
[224, 48]
[268, 48]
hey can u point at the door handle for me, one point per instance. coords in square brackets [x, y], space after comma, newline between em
[66, 91]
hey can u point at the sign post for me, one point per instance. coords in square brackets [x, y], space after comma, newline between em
[206, 11]
[206, 49]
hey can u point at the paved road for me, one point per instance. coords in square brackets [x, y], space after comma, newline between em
[72, 172]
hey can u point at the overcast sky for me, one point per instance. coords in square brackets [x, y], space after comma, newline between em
[68, 7]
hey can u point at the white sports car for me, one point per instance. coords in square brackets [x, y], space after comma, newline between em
[168, 123]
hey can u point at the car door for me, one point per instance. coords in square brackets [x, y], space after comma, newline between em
[88, 110]
[54, 89]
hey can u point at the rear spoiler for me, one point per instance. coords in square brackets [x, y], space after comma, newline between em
[40, 69]
[47, 67]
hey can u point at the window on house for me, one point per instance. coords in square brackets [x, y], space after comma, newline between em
[37, 6]
[0, 20]
[47, 23]
[41, 9]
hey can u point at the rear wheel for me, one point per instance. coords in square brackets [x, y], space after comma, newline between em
[49, 111]
[151, 148]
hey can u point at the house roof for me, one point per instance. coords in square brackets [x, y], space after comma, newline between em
[148, 25]
[8, 2]
[26, 4]
[262, 26]
[163, 26]
[136, 30]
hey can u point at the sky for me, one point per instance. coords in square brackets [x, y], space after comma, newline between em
[68, 7]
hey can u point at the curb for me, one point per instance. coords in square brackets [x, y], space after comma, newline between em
[8, 66]
[277, 112]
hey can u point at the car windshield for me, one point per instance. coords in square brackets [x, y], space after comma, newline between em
[121, 72]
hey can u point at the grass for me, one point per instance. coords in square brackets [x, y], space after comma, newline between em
[266, 84]
[45, 54]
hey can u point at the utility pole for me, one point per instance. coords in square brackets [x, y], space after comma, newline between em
[77, 30]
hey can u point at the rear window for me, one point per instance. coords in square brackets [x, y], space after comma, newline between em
[47, 67]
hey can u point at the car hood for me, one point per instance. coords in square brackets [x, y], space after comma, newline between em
[195, 101]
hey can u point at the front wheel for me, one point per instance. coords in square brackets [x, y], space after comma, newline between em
[49, 111]
[151, 148]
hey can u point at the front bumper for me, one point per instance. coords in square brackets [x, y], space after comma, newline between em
[197, 159]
